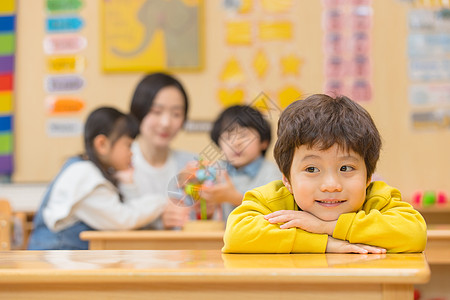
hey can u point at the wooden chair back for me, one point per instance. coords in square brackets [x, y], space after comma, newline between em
[5, 225]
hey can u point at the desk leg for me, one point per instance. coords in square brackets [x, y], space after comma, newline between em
[398, 291]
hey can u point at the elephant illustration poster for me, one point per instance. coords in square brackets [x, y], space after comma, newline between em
[151, 35]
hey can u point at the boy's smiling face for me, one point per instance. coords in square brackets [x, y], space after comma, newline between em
[241, 145]
[327, 183]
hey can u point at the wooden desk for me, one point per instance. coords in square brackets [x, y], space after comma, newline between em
[437, 250]
[438, 244]
[153, 240]
[207, 274]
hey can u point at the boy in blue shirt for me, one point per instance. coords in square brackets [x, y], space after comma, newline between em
[243, 135]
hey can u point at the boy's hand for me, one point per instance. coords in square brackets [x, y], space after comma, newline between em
[334, 260]
[340, 246]
[222, 191]
[187, 173]
[302, 220]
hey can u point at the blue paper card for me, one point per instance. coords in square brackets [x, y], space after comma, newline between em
[7, 23]
[6, 123]
[64, 24]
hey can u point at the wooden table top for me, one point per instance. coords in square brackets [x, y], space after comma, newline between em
[111, 266]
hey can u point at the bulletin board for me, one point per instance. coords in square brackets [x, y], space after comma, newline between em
[278, 55]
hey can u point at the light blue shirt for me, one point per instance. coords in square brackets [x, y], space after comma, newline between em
[250, 170]
[257, 173]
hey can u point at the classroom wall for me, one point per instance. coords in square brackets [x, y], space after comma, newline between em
[410, 159]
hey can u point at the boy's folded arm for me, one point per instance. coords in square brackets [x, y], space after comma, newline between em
[301, 219]
[249, 232]
[395, 226]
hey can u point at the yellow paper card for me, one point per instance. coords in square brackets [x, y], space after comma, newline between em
[270, 31]
[276, 6]
[5, 102]
[65, 64]
[262, 103]
[290, 64]
[229, 97]
[238, 33]
[431, 3]
[232, 72]
[261, 64]
[245, 6]
[288, 95]
[7, 6]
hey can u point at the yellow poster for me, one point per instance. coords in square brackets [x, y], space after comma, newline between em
[150, 35]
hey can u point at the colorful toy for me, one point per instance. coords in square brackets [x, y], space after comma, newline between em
[203, 175]
[417, 198]
[429, 198]
[442, 198]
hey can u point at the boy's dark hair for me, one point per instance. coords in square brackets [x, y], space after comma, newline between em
[113, 124]
[148, 88]
[322, 121]
[244, 116]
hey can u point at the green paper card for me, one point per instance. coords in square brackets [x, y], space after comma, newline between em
[7, 44]
[5, 143]
[63, 5]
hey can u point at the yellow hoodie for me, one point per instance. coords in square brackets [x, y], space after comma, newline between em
[384, 221]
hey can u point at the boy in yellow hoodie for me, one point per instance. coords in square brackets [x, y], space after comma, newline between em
[327, 150]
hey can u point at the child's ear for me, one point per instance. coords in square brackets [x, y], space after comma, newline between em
[287, 184]
[264, 145]
[101, 144]
[369, 180]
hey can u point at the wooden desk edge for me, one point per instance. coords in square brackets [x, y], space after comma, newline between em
[406, 276]
[438, 233]
[173, 234]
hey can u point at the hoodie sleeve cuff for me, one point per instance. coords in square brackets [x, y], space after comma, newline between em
[306, 242]
[343, 225]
